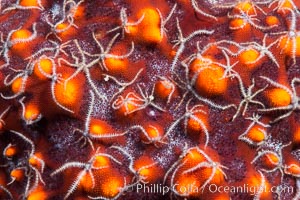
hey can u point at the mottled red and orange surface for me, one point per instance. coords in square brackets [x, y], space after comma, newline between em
[102, 98]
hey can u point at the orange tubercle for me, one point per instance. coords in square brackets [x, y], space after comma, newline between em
[127, 106]
[38, 194]
[272, 20]
[17, 174]
[193, 157]
[270, 160]
[246, 7]
[79, 12]
[27, 3]
[21, 34]
[249, 58]
[188, 185]
[64, 30]
[35, 160]
[21, 48]
[116, 66]
[257, 181]
[10, 151]
[86, 183]
[242, 30]
[210, 82]
[256, 134]
[32, 112]
[293, 169]
[111, 186]
[286, 45]
[284, 6]
[147, 168]
[69, 94]
[101, 161]
[278, 97]
[148, 30]
[164, 88]
[236, 23]
[203, 175]
[200, 63]
[239, 24]
[45, 64]
[99, 127]
[17, 85]
[193, 124]
[61, 26]
[154, 132]
[296, 136]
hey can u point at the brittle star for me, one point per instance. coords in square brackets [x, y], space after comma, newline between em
[277, 153]
[290, 35]
[180, 163]
[247, 96]
[263, 50]
[30, 169]
[294, 105]
[181, 42]
[87, 168]
[86, 135]
[190, 113]
[8, 43]
[188, 85]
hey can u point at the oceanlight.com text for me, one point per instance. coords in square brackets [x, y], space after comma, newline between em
[213, 188]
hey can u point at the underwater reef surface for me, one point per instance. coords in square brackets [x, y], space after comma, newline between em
[148, 99]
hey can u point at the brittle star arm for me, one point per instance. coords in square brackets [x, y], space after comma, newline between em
[128, 156]
[181, 41]
[104, 53]
[290, 108]
[8, 43]
[86, 168]
[198, 10]
[31, 120]
[26, 139]
[229, 72]
[247, 96]
[263, 50]
[57, 48]
[247, 19]
[79, 177]
[188, 86]
[123, 85]
[24, 75]
[255, 120]
[2, 122]
[85, 133]
[163, 21]
[6, 191]
[124, 22]
[149, 98]
[18, 6]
